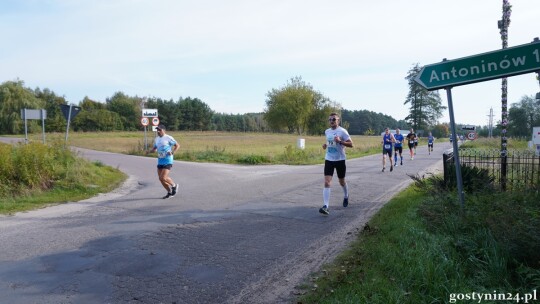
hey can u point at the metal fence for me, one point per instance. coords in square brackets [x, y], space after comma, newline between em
[522, 169]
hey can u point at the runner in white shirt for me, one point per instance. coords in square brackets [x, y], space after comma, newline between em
[165, 145]
[337, 138]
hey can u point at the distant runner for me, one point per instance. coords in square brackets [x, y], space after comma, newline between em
[410, 140]
[337, 138]
[430, 140]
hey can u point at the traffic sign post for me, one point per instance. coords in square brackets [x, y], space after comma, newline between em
[69, 112]
[145, 121]
[507, 62]
[472, 135]
[33, 114]
[455, 147]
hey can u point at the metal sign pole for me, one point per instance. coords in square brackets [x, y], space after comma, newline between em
[145, 140]
[455, 146]
[68, 120]
[25, 126]
[43, 124]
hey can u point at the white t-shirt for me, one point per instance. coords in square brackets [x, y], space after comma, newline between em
[164, 145]
[335, 151]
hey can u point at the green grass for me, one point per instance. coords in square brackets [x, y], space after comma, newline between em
[423, 248]
[35, 175]
[396, 260]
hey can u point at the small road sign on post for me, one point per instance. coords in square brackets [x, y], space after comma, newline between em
[472, 136]
[512, 61]
[145, 121]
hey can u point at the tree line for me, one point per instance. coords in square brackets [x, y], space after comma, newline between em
[295, 107]
[123, 113]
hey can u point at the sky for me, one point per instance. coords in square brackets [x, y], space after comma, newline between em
[230, 54]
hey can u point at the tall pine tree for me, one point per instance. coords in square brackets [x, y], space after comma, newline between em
[425, 107]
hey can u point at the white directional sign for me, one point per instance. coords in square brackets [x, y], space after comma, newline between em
[33, 114]
[149, 113]
[507, 62]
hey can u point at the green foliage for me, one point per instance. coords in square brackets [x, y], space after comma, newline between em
[422, 247]
[293, 155]
[369, 123]
[96, 119]
[474, 179]
[440, 131]
[523, 116]
[425, 107]
[14, 97]
[32, 166]
[33, 175]
[128, 108]
[496, 234]
[297, 107]
[253, 159]
[195, 114]
[55, 119]
[369, 132]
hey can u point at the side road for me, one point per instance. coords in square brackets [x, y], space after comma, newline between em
[234, 234]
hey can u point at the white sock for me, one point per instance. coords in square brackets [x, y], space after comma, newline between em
[345, 190]
[326, 196]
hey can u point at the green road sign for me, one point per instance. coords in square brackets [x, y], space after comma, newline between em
[512, 61]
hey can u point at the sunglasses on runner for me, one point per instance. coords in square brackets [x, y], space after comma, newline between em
[332, 119]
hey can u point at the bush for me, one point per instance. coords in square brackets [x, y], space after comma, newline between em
[496, 233]
[474, 180]
[253, 159]
[33, 166]
[293, 155]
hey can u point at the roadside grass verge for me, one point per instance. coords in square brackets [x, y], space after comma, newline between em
[423, 248]
[35, 175]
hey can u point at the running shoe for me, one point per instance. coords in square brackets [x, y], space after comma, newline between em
[173, 193]
[168, 195]
[383, 169]
[345, 201]
[324, 210]
[391, 168]
[401, 163]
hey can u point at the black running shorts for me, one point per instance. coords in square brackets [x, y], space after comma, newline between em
[339, 165]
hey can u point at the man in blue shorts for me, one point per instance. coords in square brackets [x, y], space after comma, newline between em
[166, 146]
[337, 138]
[398, 147]
[388, 141]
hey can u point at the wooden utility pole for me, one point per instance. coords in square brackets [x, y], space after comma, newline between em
[503, 29]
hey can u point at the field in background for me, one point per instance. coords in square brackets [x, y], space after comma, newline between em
[224, 147]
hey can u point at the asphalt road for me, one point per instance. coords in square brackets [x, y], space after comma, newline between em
[233, 234]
